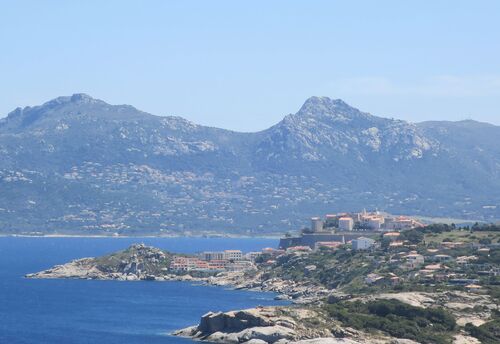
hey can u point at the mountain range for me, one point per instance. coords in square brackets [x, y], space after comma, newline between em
[77, 164]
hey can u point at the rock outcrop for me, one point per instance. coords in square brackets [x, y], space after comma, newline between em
[253, 326]
[465, 307]
[138, 262]
[279, 325]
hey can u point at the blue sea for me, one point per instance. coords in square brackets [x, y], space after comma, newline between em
[86, 311]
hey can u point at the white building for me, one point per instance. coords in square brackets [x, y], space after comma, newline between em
[253, 255]
[362, 243]
[402, 222]
[208, 256]
[331, 220]
[316, 224]
[346, 224]
[414, 260]
[233, 255]
[375, 222]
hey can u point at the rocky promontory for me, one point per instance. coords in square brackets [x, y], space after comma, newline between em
[138, 262]
[280, 325]
[141, 262]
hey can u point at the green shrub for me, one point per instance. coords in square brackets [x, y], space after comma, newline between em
[488, 333]
[425, 325]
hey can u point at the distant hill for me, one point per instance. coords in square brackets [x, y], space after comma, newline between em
[79, 164]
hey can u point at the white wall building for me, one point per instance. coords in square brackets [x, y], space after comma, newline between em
[362, 243]
[375, 222]
[414, 260]
[233, 255]
[208, 256]
[346, 224]
[316, 224]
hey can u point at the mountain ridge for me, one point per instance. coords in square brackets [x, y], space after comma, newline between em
[84, 97]
[115, 168]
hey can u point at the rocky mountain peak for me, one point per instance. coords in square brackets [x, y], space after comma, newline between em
[317, 103]
[83, 98]
[70, 108]
[324, 106]
[75, 99]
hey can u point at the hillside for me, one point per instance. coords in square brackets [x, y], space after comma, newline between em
[426, 291]
[77, 164]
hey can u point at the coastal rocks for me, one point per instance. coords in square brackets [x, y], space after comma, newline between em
[255, 341]
[141, 262]
[258, 335]
[327, 340]
[80, 268]
[276, 325]
[138, 262]
[253, 326]
[233, 321]
[279, 325]
[269, 334]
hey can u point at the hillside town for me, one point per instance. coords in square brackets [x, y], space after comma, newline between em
[399, 250]
[339, 228]
[334, 232]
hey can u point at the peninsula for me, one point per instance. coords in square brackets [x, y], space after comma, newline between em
[431, 284]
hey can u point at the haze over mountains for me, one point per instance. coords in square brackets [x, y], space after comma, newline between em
[79, 164]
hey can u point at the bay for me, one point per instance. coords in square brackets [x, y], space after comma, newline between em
[88, 311]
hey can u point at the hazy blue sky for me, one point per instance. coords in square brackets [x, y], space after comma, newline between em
[245, 64]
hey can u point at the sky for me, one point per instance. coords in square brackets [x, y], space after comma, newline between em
[243, 65]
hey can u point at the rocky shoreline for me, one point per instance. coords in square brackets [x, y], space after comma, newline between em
[85, 268]
[258, 326]
[303, 322]
[306, 323]
[143, 263]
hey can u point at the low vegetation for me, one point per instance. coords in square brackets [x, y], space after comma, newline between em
[155, 261]
[332, 269]
[397, 319]
[487, 333]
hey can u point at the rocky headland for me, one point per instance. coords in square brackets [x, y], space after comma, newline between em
[141, 262]
[311, 323]
[308, 320]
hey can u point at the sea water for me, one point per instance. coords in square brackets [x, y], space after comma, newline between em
[90, 311]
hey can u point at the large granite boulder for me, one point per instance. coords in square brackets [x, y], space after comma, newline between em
[232, 321]
[268, 334]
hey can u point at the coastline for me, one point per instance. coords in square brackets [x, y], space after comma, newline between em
[272, 324]
[214, 236]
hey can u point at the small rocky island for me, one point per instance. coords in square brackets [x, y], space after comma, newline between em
[383, 294]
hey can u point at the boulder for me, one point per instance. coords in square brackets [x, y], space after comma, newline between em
[269, 334]
[282, 341]
[221, 337]
[255, 341]
[233, 321]
[212, 322]
[186, 332]
[327, 341]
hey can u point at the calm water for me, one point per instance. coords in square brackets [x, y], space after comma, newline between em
[81, 311]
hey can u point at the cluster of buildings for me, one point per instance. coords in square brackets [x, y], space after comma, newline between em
[364, 220]
[227, 260]
[437, 265]
[343, 227]
[402, 259]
